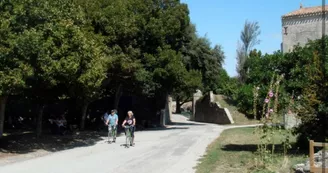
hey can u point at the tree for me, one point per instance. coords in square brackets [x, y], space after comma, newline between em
[198, 55]
[224, 83]
[133, 32]
[64, 54]
[84, 50]
[192, 80]
[249, 38]
[312, 106]
[241, 59]
[249, 35]
[91, 67]
[13, 70]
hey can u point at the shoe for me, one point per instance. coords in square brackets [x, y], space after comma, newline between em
[114, 141]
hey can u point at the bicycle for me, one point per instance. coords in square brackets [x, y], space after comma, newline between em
[111, 132]
[128, 135]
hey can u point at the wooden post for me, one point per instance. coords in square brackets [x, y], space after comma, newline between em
[311, 155]
[314, 169]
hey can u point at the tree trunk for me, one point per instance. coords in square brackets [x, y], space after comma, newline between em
[118, 95]
[3, 100]
[39, 120]
[10, 120]
[178, 106]
[83, 114]
[168, 109]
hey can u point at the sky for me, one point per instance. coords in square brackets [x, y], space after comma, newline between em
[222, 21]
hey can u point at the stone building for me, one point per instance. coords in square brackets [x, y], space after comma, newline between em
[302, 25]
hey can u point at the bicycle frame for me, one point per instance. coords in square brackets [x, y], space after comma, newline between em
[111, 131]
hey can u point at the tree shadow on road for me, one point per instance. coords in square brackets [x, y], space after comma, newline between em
[171, 126]
[165, 128]
[186, 124]
[27, 142]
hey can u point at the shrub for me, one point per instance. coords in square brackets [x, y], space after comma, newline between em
[244, 99]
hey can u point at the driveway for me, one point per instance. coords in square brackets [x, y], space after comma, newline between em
[173, 150]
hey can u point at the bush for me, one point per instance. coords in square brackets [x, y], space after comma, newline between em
[244, 99]
[228, 87]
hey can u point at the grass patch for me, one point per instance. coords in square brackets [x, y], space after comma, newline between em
[238, 117]
[234, 152]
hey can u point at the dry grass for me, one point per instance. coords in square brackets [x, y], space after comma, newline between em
[234, 152]
[238, 117]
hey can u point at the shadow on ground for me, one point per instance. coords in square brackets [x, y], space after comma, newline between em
[25, 143]
[173, 126]
[165, 128]
[22, 143]
[253, 148]
[186, 124]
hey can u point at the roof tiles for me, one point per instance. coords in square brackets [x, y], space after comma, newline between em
[306, 11]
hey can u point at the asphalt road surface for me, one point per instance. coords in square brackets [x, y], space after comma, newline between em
[173, 150]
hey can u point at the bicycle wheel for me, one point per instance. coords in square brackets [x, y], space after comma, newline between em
[113, 133]
[109, 133]
[130, 141]
[127, 140]
[108, 139]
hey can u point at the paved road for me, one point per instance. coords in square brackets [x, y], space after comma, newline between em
[175, 150]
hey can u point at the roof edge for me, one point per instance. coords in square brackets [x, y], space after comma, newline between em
[305, 13]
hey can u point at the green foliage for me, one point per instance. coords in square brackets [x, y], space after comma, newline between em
[169, 69]
[312, 107]
[200, 56]
[226, 85]
[85, 49]
[244, 99]
[304, 70]
[13, 70]
[58, 48]
[192, 80]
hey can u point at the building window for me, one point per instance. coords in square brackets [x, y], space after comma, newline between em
[285, 30]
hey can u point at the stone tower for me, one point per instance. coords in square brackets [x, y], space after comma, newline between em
[302, 25]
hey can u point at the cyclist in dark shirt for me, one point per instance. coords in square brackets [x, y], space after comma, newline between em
[130, 121]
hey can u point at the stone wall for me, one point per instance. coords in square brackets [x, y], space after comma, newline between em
[207, 110]
[291, 120]
[319, 161]
[300, 30]
[195, 98]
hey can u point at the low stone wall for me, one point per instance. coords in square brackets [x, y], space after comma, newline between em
[318, 162]
[206, 110]
[291, 120]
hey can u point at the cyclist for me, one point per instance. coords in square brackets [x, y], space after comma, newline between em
[112, 120]
[131, 121]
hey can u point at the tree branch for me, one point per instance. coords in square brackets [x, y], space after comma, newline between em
[185, 101]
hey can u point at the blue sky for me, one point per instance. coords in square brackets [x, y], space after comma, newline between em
[222, 21]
